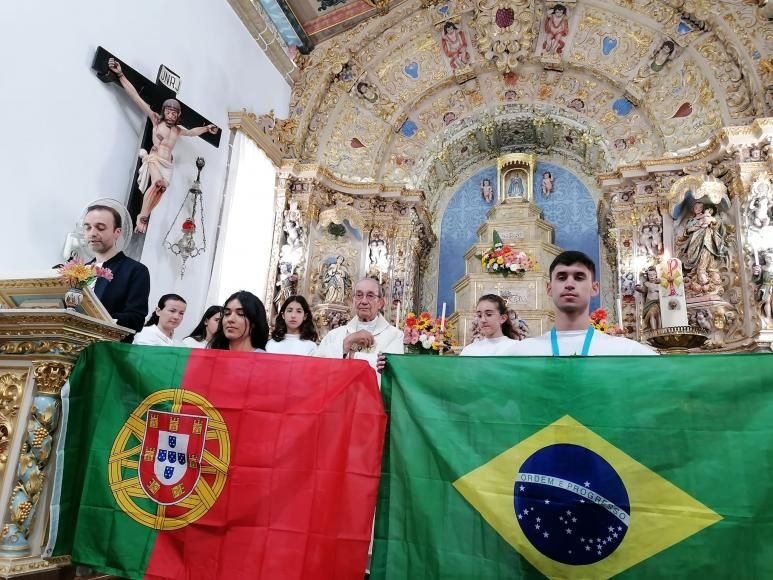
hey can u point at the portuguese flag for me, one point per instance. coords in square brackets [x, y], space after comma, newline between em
[643, 467]
[178, 463]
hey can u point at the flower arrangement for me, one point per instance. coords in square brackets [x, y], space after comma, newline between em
[79, 275]
[502, 259]
[422, 334]
[599, 321]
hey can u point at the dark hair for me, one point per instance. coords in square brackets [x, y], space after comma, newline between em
[571, 257]
[200, 332]
[254, 312]
[560, 7]
[448, 25]
[307, 328]
[153, 319]
[507, 325]
[117, 221]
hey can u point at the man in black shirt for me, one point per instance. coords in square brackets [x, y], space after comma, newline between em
[126, 296]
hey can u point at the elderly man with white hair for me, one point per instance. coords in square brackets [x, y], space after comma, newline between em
[368, 334]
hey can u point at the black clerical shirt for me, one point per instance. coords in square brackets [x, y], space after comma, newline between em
[126, 296]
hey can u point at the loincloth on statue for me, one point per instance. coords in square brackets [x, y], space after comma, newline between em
[651, 306]
[165, 169]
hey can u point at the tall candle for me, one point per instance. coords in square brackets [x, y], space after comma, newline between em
[443, 319]
[397, 315]
[673, 303]
[756, 257]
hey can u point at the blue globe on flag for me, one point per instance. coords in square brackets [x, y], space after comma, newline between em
[571, 504]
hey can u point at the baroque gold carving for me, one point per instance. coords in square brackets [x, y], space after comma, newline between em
[505, 31]
[51, 376]
[40, 347]
[11, 392]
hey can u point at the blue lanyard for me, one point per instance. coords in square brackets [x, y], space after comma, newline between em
[585, 346]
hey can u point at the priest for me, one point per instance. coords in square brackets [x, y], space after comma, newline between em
[368, 334]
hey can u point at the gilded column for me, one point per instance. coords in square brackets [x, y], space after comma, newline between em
[36, 450]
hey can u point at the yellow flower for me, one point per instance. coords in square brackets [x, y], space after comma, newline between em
[500, 261]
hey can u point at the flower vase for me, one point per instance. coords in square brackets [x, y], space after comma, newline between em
[73, 298]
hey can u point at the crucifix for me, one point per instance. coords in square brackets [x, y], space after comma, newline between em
[165, 118]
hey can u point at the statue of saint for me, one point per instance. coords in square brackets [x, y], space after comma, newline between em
[763, 276]
[515, 186]
[650, 287]
[701, 246]
[156, 171]
[335, 282]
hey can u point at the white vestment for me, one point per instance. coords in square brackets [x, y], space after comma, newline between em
[388, 339]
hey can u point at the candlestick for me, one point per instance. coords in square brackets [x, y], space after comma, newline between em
[443, 319]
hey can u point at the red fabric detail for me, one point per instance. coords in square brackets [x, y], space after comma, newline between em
[306, 440]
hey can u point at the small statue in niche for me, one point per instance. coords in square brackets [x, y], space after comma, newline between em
[650, 288]
[759, 206]
[627, 284]
[763, 277]
[336, 282]
[651, 239]
[377, 253]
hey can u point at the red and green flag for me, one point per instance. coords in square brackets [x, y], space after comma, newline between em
[576, 467]
[178, 463]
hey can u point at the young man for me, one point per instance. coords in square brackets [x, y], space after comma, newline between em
[126, 296]
[572, 283]
[368, 334]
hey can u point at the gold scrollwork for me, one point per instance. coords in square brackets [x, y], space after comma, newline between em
[40, 347]
[11, 391]
[51, 376]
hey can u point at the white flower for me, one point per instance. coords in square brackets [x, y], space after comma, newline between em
[513, 267]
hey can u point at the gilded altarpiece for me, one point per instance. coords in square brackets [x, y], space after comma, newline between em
[712, 210]
[330, 234]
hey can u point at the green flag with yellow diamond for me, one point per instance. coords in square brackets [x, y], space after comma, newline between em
[576, 467]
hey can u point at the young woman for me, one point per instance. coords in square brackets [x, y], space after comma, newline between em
[160, 327]
[499, 336]
[294, 331]
[244, 326]
[206, 328]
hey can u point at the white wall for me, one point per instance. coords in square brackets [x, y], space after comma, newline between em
[68, 138]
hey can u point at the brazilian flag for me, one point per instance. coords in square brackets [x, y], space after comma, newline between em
[642, 467]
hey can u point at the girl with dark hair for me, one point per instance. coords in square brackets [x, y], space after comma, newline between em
[499, 336]
[294, 331]
[244, 326]
[160, 327]
[205, 329]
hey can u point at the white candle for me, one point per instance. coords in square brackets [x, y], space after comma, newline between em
[397, 315]
[443, 318]
[756, 257]
[673, 303]
[379, 277]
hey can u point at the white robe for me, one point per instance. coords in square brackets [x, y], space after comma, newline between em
[152, 336]
[191, 342]
[500, 346]
[292, 344]
[388, 339]
[570, 343]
